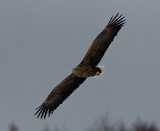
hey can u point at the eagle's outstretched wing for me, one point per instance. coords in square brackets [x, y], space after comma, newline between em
[103, 40]
[58, 95]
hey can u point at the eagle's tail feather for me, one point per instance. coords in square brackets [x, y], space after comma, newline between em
[102, 70]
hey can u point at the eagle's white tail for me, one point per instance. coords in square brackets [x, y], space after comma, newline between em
[102, 70]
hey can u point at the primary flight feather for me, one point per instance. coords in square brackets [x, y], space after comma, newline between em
[86, 68]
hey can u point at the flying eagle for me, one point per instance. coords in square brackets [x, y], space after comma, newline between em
[86, 68]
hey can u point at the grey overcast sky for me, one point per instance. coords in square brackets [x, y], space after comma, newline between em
[42, 40]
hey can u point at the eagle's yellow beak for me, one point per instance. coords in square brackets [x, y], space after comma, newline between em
[97, 74]
[73, 70]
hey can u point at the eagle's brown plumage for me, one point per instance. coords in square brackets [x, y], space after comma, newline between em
[86, 68]
[103, 40]
[59, 94]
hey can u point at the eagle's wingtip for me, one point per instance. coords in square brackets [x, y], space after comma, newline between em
[118, 20]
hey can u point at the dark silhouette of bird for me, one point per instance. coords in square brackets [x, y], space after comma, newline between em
[86, 68]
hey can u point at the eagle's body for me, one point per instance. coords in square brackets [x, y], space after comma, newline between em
[86, 71]
[86, 68]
